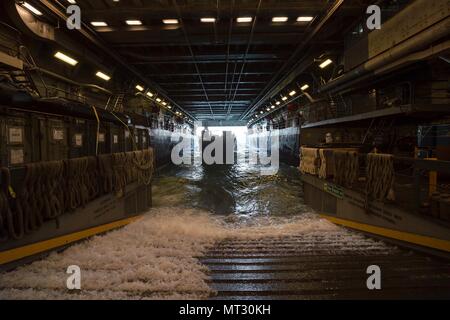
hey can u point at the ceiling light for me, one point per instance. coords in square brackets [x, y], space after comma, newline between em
[170, 107]
[284, 98]
[32, 9]
[71, 1]
[280, 19]
[61, 56]
[149, 94]
[103, 76]
[277, 103]
[305, 86]
[158, 99]
[170, 21]
[261, 112]
[292, 93]
[325, 63]
[140, 88]
[99, 24]
[208, 20]
[272, 106]
[134, 22]
[164, 103]
[304, 19]
[244, 19]
[268, 109]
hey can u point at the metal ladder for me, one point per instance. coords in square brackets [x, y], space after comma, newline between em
[115, 103]
[338, 106]
[23, 80]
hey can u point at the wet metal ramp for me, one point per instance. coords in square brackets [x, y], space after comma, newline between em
[315, 267]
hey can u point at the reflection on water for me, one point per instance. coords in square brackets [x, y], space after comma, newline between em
[237, 189]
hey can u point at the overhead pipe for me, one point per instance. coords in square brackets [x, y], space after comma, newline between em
[414, 57]
[250, 39]
[230, 30]
[183, 28]
[75, 83]
[19, 99]
[417, 42]
[274, 83]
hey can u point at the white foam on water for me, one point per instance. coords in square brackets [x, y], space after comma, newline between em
[156, 256]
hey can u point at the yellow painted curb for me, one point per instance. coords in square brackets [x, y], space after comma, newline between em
[38, 247]
[394, 234]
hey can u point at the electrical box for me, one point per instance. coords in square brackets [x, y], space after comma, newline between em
[16, 135]
[78, 138]
[53, 134]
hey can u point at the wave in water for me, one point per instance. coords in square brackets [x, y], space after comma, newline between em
[156, 256]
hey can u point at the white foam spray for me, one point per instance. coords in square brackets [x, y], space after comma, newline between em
[156, 256]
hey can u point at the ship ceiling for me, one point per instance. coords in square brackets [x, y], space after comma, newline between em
[219, 70]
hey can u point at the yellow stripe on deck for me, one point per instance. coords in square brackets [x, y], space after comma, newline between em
[39, 247]
[394, 234]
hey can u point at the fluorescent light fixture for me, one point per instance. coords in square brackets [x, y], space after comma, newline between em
[261, 112]
[208, 20]
[277, 103]
[170, 21]
[99, 24]
[32, 9]
[268, 109]
[272, 106]
[325, 63]
[304, 87]
[280, 19]
[102, 76]
[71, 1]
[169, 106]
[149, 94]
[304, 19]
[164, 103]
[134, 22]
[158, 99]
[284, 98]
[61, 56]
[292, 93]
[244, 19]
[139, 87]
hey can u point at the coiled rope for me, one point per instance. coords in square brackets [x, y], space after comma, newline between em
[346, 167]
[120, 175]
[11, 221]
[105, 170]
[53, 195]
[309, 160]
[93, 178]
[326, 169]
[50, 189]
[77, 177]
[380, 176]
[144, 162]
